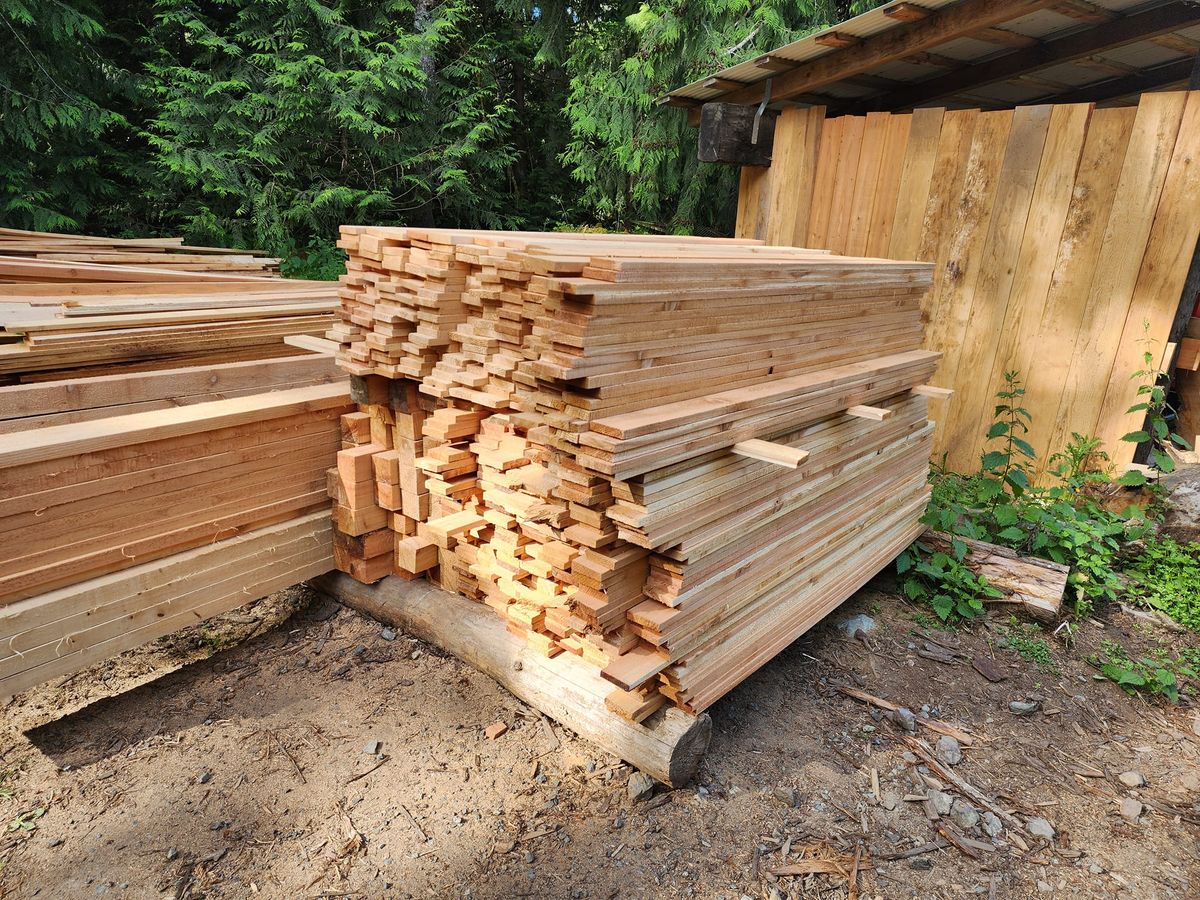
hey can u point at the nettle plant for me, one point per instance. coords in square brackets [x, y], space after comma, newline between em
[1152, 402]
[1001, 505]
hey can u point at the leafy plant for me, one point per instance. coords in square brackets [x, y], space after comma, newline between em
[1156, 431]
[943, 580]
[1165, 575]
[1000, 504]
[26, 821]
[1157, 674]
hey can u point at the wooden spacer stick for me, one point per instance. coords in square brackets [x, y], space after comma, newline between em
[875, 413]
[933, 393]
[779, 454]
[668, 745]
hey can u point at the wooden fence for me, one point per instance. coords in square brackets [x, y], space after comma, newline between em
[1062, 237]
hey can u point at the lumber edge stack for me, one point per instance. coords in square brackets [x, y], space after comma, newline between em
[665, 457]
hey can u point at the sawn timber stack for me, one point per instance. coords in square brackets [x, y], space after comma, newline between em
[667, 456]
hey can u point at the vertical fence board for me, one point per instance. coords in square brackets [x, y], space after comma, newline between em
[1056, 232]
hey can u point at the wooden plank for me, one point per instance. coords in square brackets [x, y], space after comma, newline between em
[1143, 174]
[1169, 248]
[961, 420]
[916, 180]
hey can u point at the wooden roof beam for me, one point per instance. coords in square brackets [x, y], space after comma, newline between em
[1125, 30]
[893, 44]
[1003, 37]
[1147, 79]
[1084, 12]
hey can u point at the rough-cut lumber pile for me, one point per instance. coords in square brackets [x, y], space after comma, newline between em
[666, 456]
[69, 628]
[85, 499]
[91, 319]
[141, 252]
[36, 405]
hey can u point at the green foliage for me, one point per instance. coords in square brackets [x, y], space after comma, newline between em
[1159, 673]
[1000, 504]
[1026, 640]
[1153, 403]
[26, 821]
[1165, 575]
[270, 122]
[320, 260]
[65, 97]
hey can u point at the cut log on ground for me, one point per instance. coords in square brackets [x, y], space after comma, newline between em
[1036, 585]
[667, 746]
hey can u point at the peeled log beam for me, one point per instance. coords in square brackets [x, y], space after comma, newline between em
[667, 746]
[1035, 584]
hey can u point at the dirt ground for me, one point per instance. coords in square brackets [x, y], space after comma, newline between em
[300, 752]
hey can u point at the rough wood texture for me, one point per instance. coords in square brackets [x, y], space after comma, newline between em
[668, 745]
[1037, 585]
[1058, 234]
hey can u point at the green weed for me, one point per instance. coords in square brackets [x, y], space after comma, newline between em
[1165, 575]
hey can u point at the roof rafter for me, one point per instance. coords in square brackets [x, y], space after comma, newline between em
[1125, 30]
[912, 37]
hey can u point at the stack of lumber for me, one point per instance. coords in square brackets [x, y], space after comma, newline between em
[170, 252]
[85, 499]
[668, 457]
[90, 318]
[59, 402]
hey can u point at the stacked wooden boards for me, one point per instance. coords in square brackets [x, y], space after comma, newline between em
[667, 456]
[1061, 234]
[87, 327]
[167, 252]
[119, 529]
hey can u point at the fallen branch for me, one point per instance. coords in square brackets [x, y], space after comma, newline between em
[925, 752]
[936, 725]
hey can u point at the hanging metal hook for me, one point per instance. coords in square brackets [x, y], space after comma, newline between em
[762, 108]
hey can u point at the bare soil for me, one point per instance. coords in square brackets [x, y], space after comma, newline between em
[252, 771]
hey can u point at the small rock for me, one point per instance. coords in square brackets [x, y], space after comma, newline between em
[494, 730]
[948, 750]
[991, 825]
[416, 654]
[861, 622]
[1096, 869]
[388, 634]
[1190, 781]
[204, 778]
[1130, 809]
[640, 787]
[1132, 779]
[942, 802]
[371, 748]
[889, 801]
[172, 855]
[964, 815]
[57, 842]
[905, 719]
[359, 650]
[1045, 887]
[921, 862]
[868, 729]
[1040, 828]
[1023, 707]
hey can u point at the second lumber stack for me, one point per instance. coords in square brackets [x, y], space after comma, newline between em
[669, 456]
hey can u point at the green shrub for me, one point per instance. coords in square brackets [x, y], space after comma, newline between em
[1165, 575]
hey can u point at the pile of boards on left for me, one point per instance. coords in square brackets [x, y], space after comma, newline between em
[92, 306]
[164, 461]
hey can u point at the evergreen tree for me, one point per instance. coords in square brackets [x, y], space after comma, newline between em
[636, 161]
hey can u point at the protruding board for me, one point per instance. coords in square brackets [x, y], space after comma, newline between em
[778, 454]
[667, 745]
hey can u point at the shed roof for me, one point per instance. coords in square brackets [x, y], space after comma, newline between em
[977, 53]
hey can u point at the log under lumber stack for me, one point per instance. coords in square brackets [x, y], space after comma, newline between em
[666, 456]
